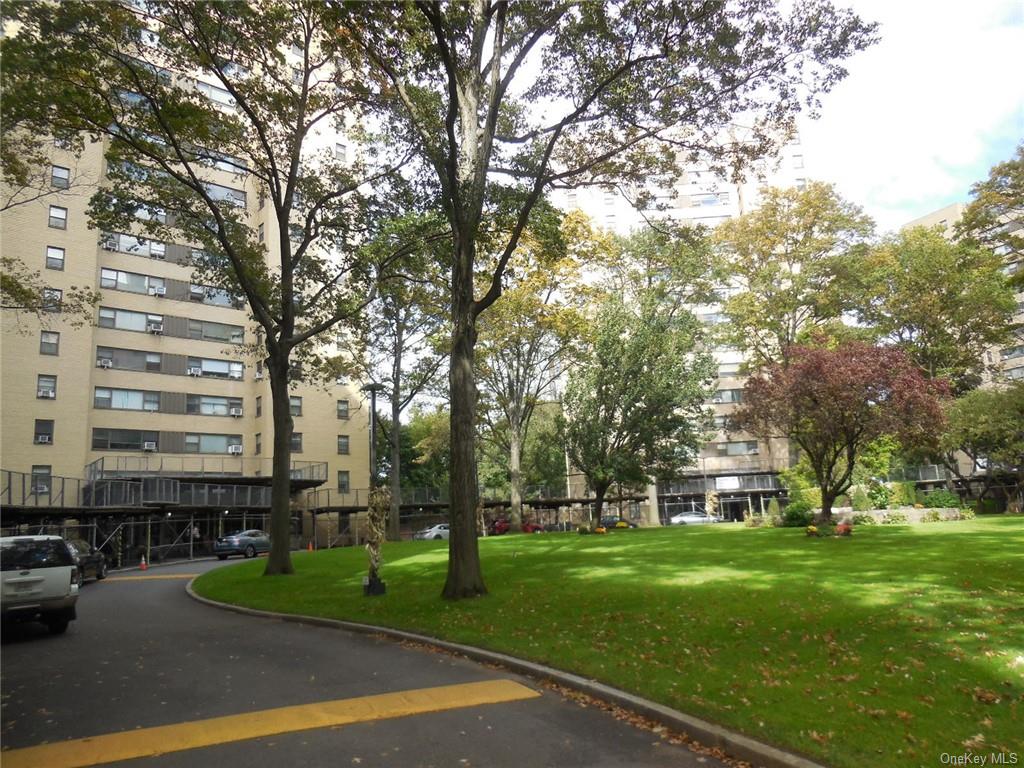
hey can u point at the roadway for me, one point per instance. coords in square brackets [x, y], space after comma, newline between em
[160, 672]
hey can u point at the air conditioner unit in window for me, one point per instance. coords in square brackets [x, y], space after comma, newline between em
[103, 362]
[46, 394]
[157, 328]
[236, 412]
[149, 446]
[234, 374]
[158, 290]
[235, 450]
[195, 371]
[259, 376]
[38, 489]
[108, 244]
[755, 452]
[42, 439]
[196, 292]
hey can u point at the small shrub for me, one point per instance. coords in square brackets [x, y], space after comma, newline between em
[797, 514]
[942, 499]
[931, 516]
[904, 493]
[773, 508]
[894, 518]
[811, 530]
[774, 521]
[861, 501]
[880, 495]
[751, 521]
[584, 530]
[843, 501]
[844, 529]
[986, 507]
[920, 497]
[864, 519]
[966, 514]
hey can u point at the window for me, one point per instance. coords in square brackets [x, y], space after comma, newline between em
[130, 359]
[296, 76]
[128, 281]
[798, 161]
[224, 194]
[341, 152]
[259, 443]
[343, 482]
[58, 217]
[122, 439]
[54, 257]
[201, 443]
[741, 448]
[218, 369]
[46, 386]
[60, 177]
[259, 405]
[126, 399]
[44, 431]
[261, 200]
[296, 441]
[49, 343]
[343, 409]
[207, 331]
[343, 445]
[728, 369]
[1009, 353]
[127, 321]
[219, 96]
[260, 229]
[211, 405]
[296, 49]
[295, 406]
[728, 396]
[138, 246]
[52, 299]
[42, 478]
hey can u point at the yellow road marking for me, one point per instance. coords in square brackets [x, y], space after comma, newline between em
[149, 742]
[152, 578]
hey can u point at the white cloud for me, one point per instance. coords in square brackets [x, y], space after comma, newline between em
[924, 113]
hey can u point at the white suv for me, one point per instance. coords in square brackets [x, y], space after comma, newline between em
[40, 580]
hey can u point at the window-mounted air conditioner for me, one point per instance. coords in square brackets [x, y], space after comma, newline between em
[236, 412]
[157, 328]
[42, 439]
[158, 290]
[46, 394]
[234, 374]
[149, 446]
[235, 450]
[104, 362]
[195, 371]
[37, 489]
[259, 375]
[108, 244]
[197, 292]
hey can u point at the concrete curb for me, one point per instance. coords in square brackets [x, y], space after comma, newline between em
[708, 734]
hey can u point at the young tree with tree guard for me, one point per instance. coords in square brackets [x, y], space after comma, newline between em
[179, 91]
[835, 402]
[502, 101]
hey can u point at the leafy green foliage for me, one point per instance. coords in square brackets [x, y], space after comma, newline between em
[931, 516]
[894, 517]
[942, 499]
[860, 500]
[797, 514]
[943, 303]
[23, 293]
[879, 494]
[863, 519]
[993, 217]
[634, 404]
[789, 256]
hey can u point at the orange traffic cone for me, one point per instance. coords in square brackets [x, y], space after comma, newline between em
[142, 565]
[310, 546]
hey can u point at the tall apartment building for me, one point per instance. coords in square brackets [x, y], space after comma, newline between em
[740, 468]
[160, 384]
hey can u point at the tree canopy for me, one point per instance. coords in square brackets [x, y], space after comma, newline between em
[995, 217]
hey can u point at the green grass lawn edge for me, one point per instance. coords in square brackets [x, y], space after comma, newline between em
[892, 646]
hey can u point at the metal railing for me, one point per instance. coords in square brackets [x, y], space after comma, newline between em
[923, 473]
[198, 466]
[26, 490]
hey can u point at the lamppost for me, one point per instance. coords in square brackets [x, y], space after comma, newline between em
[373, 389]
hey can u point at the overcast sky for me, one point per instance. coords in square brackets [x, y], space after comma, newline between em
[925, 112]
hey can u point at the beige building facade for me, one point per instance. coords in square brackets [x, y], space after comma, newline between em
[166, 377]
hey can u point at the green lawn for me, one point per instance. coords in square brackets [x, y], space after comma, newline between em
[886, 648]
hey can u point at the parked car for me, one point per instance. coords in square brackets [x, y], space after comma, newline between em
[439, 531]
[39, 581]
[245, 543]
[502, 525]
[693, 518]
[616, 522]
[91, 562]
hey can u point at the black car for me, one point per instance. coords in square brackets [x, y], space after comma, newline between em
[92, 564]
[616, 522]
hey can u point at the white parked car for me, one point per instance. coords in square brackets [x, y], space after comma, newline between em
[439, 531]
[693, 518]
[39, 577]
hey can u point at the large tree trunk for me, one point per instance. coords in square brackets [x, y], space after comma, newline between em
[395, 480]
[827, 499]
[599, 492]
[515, 461]
[280, 559]
[465, 578]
